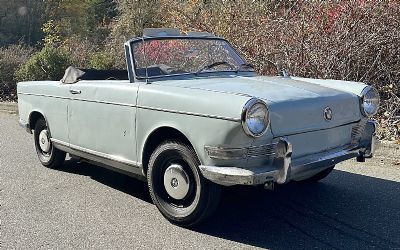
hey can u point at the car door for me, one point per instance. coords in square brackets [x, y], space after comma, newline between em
[52, 101]
[101, 119]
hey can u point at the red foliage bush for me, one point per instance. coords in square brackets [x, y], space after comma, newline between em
[347, 40]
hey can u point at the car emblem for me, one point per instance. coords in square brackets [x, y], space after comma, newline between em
[328, 113]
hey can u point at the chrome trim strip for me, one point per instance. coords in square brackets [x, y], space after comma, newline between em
[99, 154]
[213, 90]
[320, 129]
[231, 153]
[139, 106]
[262, 150]
[190, 113]
[81, 99]
[218, 152]
[59, 142]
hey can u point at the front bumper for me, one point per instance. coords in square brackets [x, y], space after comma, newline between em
[287, 169]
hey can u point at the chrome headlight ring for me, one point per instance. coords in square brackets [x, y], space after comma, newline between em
[369, 101]
[255, 117]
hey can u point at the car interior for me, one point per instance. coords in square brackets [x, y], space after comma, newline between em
[73, 75]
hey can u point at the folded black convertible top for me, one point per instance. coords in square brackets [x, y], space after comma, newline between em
[73, 75]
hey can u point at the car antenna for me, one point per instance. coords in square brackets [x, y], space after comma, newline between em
[285, 73]
[281, 70]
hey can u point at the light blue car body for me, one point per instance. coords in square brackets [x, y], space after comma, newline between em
[117, 123]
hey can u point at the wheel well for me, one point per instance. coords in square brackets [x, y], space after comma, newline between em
[33, 118]
[156, 138]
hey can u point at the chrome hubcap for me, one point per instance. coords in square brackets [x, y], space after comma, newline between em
[176, 182]
[44, 141]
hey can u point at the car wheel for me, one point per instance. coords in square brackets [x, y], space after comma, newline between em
[49, 156]
[319, 176]
[176, 186]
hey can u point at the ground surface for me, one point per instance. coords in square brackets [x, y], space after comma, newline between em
[83, 206]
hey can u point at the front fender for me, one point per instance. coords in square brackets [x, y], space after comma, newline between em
[200, 131]
[204, 117]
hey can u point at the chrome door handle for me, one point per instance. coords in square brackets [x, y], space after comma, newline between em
[75, 92]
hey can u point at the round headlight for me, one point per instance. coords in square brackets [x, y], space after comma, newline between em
[369, 101]
[255, 117]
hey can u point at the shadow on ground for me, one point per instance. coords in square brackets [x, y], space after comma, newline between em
[344, 211]
[110, 178]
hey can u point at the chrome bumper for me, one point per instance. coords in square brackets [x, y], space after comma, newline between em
[286, 168]
[25, 125]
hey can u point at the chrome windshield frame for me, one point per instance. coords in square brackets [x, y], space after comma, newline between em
[134, 41]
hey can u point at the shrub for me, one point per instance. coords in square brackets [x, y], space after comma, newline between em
[11, 58]
[102, 60]
[48, 64]
[80, 51]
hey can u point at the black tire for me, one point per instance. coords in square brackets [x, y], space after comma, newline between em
[319, 176]
[202, 197]
[53, 158]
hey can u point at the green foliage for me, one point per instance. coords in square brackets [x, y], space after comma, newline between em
[101, 60]
[86, 19]
[48, 64]
[20, 21]
[80, 50]
[11, 58]
[52, 34]
[98, 19]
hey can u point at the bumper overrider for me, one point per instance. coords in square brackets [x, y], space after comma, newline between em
[287, 169]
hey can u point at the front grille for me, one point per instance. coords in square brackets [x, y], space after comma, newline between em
[263, 150]
[356, 133]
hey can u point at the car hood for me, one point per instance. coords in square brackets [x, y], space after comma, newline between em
[296, 105]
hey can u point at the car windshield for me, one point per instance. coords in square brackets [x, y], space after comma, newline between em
[179, 56]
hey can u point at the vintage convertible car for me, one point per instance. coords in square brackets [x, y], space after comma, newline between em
[190, 115]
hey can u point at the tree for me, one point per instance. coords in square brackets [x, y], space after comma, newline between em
[86, 19]
[20, 21]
